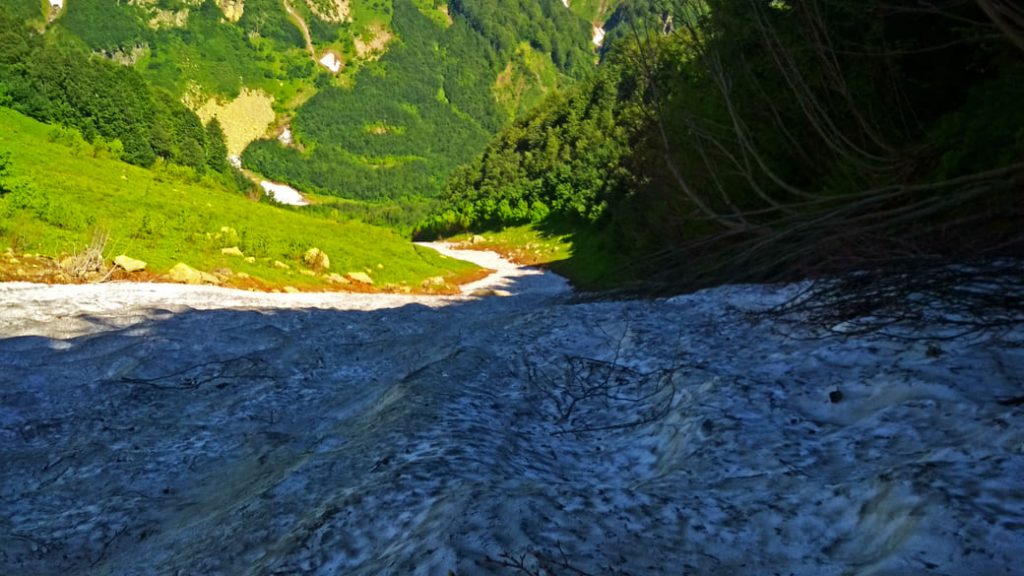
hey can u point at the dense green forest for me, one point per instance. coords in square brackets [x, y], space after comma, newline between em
[409, 71]
[753, 140]
[430, 103]
[111, 105]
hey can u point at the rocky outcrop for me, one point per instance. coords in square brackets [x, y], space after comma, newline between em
[316, 259]
[360, 277]
[186, 274]
[129, 264]
[232, 9]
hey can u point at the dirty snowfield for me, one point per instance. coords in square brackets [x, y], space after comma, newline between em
[148, 429]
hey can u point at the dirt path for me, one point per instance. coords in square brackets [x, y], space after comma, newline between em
[301, 23]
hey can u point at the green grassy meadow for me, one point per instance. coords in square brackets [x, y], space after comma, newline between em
[59, 190]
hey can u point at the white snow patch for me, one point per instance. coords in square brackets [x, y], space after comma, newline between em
[284, 193]
[391, 434]
[507, 276]
[286, 136]
[598, 35]
[57, 4]
[566, 3]
[331, 61]
[235, 161]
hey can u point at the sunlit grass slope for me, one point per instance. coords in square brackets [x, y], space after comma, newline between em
[58, 191]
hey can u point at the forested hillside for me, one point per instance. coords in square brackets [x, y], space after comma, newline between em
[363, 89]
[754, 140]
[433, 100]
[111, 105]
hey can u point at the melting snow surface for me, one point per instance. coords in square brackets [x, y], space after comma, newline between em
[598, 38]
[57, 3]
[286, 136]
[284, 193]
[331, 62]
[169, 429]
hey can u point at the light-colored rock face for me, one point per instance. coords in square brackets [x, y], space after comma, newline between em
[196, 430]
[243, 119]
[186, 274]
[373, 43]
[129, 264]
[168, 18]
[360, 277]
[232, 251]
[232, 9]
[336, 11]
[317, 259]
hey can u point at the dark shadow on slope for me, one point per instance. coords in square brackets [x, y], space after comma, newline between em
[151, 443]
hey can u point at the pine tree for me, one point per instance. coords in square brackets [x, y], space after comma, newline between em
[216, 148]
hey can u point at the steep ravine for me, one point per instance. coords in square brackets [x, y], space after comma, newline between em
[147, 429]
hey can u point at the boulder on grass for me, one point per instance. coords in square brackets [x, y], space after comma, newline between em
[232, 251]
[186, 274]
[129, 264]
[360, 277]
[316, 259]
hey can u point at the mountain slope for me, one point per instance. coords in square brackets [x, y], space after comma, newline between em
[381, 98]
[750, 141]
[168, 215]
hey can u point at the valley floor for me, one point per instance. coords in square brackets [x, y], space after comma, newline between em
[165, 429]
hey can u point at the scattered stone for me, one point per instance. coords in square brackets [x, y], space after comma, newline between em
[477, 239]
[316, 259]
[307, 272]
[281, 265]
[186, 274]
[360, 277]
[232, 251]
[380, 266]
[250, 259]
[182, 272]
[129, 264]
[335, 278]
[242, 276]
[434, 281]
[290, 290]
